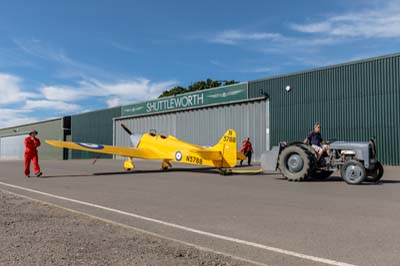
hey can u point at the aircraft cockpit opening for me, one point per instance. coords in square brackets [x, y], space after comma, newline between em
[152, 132]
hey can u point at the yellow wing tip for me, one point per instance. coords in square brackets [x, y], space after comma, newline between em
[55, 143]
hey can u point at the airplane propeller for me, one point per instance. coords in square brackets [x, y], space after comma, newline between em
[126, 129]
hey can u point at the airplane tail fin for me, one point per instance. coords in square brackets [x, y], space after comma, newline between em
[227, 147]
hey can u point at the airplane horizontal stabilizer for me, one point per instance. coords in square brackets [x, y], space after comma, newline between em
[240, 156]
[211, 155]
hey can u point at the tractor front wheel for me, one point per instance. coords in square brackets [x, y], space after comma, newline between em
[353, 172]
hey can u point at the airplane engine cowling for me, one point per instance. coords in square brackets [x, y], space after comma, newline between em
[135, 139]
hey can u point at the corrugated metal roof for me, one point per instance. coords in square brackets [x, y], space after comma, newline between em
[328, 67]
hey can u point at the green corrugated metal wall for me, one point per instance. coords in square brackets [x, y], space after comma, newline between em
[51, 129]
[353, 101]
[93, 127]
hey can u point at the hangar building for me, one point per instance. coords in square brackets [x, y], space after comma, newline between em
[12, 139]
[353, 101]
[201, 117]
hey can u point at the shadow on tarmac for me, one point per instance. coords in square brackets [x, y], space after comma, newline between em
[59, 176]
[206, 170]
[339, 179]
[210, 170]
[197, 170]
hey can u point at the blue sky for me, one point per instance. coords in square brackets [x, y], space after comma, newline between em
[64, 57]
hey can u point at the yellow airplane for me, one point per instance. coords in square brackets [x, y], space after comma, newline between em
[166, 148]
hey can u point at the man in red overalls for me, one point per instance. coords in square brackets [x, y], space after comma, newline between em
[31, 154]
[247, 150]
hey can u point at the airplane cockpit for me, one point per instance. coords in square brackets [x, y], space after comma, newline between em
[153, 133]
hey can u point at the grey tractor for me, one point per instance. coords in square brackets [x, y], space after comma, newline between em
[297, 161]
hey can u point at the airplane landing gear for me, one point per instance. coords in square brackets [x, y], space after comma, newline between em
[128, 164]
[165, 165]
[225, 171]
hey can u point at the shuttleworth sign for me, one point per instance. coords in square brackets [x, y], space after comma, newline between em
[219, 95]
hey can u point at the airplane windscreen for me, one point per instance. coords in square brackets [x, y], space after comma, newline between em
[135, 139]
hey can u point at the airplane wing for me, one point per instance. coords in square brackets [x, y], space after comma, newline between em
[107, 149]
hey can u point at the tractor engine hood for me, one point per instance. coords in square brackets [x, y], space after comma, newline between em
[360, 149]
[348, 145]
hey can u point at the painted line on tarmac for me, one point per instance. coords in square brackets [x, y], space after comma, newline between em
[188, 229]
[201, 248]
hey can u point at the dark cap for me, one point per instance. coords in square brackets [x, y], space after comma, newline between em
[33, 131]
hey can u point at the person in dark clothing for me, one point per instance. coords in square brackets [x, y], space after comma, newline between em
[31, 154]
[315, 140]
[247, 150]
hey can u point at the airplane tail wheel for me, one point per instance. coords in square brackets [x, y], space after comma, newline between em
[225, 171]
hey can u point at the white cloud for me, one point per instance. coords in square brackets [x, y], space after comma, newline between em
[111, 88]
[10, 91]
[257, 70]
[66, 99]
[63, 93]
[378, 22]
[64, 65]
[312, 28]
[24, 104]
[374, 20]
[271, 43]
[132, 91]
[51, 105]
[113, 102]
[236, 36]
[123, 47]
[247, 67]
[117, 93]
[12, 117]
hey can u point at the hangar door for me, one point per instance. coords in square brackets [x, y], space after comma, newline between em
[205, 126]
[12, 147]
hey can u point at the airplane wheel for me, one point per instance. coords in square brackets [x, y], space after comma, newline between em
[129, 169]
[225, 171]
[164, 169]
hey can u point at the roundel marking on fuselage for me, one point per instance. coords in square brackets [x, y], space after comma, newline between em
[178, 155]
[90, 145]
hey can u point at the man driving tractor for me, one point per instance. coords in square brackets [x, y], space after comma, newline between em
[315, 140]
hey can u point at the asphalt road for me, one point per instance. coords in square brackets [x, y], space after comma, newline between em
[257, 217]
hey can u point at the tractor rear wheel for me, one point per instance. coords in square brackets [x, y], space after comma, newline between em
[376, 174]
[295, 163]
[353, 172]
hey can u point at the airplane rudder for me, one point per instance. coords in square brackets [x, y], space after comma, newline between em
[228, 142]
